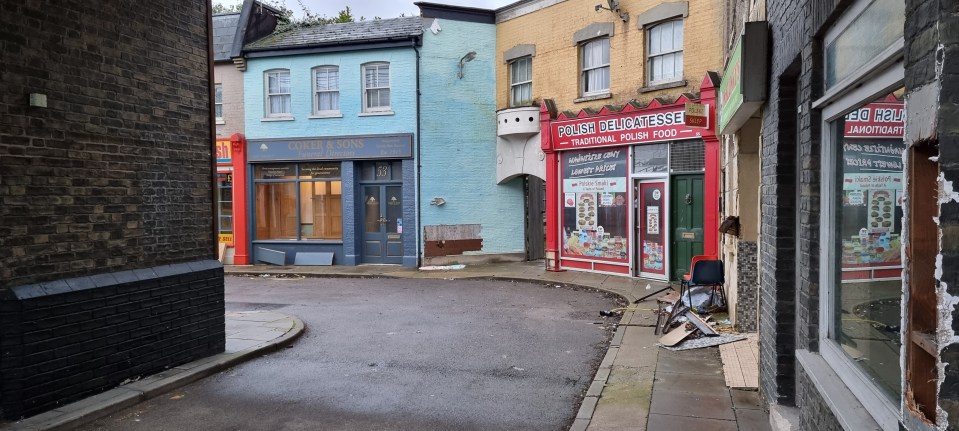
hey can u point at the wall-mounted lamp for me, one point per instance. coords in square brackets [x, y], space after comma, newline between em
[613, 6]
[438, 201]
[466, 59]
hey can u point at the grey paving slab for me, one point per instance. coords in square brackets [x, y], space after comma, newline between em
[579, 425]
[688, 365]
[745, 399]
[698, 384]
[609, 358]
[658, 422]
[638, 348]
[692, 405]
[753, 420]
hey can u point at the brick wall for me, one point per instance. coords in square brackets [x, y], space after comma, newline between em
[556, 67]
[70, 338]
[814, 412]
[227, 75]
[932, 90]
[777, 245]
[113, 177]
[115, 173]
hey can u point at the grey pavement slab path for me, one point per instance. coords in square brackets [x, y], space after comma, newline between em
[638, 386]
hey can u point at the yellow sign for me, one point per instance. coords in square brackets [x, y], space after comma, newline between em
[226, 238]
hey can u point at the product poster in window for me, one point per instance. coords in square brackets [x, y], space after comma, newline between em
[651, 209]
[872, 181]
[595, 209]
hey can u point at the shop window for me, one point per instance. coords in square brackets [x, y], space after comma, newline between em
[279, 101]
[687, 156]
[595, 206]
[218, 102]
[326, 91]
[376, 87]
[651, 158]
[665, 52]
[595, 67]
[521, 82]
[868, 289]
[299, 201]
[224, 208]
[869, 35]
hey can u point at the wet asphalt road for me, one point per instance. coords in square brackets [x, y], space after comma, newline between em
[388, 354]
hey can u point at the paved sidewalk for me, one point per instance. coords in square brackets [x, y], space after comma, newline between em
[638, 385]
[248, 334]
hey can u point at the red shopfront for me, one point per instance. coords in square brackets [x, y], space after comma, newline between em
[631, 192]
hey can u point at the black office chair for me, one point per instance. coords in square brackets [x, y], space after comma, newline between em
[705, 273]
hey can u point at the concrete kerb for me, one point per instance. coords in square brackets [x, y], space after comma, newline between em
[90, 409]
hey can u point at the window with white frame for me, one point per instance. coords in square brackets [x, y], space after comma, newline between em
[862, 205]
[376, 87]
[218, 102]
[326, 90]
[595, 67]
[521, 81]
[664, 51]
[279, 101]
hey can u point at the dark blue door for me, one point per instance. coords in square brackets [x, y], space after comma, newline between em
[382, 223]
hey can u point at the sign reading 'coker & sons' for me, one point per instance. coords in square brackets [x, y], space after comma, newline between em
[621, 129]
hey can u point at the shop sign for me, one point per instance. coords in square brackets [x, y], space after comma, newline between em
[332, 148]
[226, 238]
[697, 115]
[886, 119]
[621, 129]
[740, 96]
[224, 151]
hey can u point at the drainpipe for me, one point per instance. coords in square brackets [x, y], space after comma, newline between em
[419, 166]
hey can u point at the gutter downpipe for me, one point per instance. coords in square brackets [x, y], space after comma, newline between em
[418, 165]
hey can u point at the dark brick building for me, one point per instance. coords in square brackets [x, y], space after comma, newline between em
[106, 233]
[859, 257]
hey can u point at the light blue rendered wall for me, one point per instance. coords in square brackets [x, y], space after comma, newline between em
[403, 120]
[458, 130]
[402, 93]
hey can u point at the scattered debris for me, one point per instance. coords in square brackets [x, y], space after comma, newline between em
[703, 342]
[177, 397]
[442, 267]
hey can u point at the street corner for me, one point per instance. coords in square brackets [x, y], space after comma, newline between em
[260, 329]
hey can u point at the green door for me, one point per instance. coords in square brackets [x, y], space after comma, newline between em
[686, 222]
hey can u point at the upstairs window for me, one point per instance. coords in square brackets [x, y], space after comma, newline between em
[595, 67]
[218, 102]
[665, 52]
[521, 82]
[376, 87]
[326, 90]
[278, 98]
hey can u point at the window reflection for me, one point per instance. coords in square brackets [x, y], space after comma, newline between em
[869, 227]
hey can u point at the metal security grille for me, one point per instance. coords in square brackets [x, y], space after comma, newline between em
[687, 156]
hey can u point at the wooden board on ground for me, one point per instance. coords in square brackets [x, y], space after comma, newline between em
[676, 336]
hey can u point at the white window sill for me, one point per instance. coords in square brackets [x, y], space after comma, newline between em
[591, 97]
[375, 114]
[318, 116]
[220, 122]
[847, 409]
[277, 119]
[653, 86]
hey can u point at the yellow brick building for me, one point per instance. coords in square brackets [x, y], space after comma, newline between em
[551, 34]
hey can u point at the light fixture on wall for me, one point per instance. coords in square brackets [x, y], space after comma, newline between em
[466, 59]
[613, 6]
[438, 201]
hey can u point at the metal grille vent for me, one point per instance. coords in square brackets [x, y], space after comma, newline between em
[687, 156]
